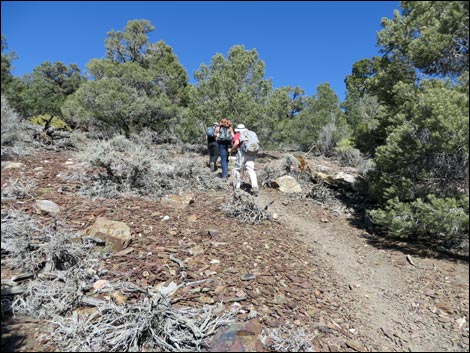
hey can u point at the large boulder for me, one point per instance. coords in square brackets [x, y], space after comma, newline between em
[339, 180]
[287, 184]
[117, 234]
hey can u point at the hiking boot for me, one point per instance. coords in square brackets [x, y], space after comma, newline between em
[255, 192]
[212, 167]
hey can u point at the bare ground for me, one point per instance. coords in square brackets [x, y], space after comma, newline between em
[314, 269]
[399, 301]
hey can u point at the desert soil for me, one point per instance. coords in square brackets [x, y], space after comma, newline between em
[314, 269]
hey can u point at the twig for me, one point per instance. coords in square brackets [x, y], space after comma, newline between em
[178, 261]
[408, 257]
[13, 291]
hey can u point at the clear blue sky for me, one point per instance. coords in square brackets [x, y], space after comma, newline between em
[303, 43]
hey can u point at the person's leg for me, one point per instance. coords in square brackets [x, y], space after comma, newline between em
[223, 159]
[213, 150]
[250, 168]
[236, 172]
[216, 154]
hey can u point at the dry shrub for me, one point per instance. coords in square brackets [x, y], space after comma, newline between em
[18, 232]
[152, 325]
[20, 188]
[327, 139]
[289, 339]
[129, 167]
[244, 207]
[32, 247]
[16, 133]
[46, 299]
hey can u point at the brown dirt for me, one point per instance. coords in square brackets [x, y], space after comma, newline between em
[313, 269]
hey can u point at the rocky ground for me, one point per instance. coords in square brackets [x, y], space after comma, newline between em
[310, 268]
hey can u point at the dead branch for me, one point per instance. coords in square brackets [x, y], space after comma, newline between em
[178, 261]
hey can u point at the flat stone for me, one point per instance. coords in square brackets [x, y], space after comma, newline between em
[115, 232]
[356, 346]
[12, 165]
[238, 337]
[46, 207]
[248, 277]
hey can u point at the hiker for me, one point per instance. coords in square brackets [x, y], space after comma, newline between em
[247, 145]
[213, 146]
[224, 136]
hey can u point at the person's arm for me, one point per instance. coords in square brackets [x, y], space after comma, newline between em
[216, 133]
[236, 143]
[235, 146]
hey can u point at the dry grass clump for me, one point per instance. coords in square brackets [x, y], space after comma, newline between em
[151, 325]
[321, 192]
[32, 247]
[244, 207]
[20, 188]
[18, 232]
[45, 299]
[16, 133]
[128, 167]
[289, 339]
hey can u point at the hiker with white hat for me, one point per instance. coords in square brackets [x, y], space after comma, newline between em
[247, 145]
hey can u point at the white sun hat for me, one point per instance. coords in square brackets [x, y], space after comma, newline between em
[240, 127]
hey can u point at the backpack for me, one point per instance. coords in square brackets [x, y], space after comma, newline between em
[250, 142]
[225, 135]
[210, 131]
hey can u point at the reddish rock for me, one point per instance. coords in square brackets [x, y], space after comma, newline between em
[238, 337]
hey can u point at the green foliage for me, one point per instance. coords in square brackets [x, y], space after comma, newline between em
[45, 90]
[433, 35]
[444, 220]
[428, 151]
[46, 120]
[321, 120]
[283, 105]
[6, 75]
[138, 85]
[409, 109]
[233, 88]
[371, 99]
[12, 88]
[130, 45]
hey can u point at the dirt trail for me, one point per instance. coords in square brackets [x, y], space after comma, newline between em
[401, 302]
[372, 297]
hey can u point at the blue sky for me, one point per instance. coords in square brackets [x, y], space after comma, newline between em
[303, 43]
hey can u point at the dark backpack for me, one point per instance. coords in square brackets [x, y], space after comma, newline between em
[224, 135]
[210, 131]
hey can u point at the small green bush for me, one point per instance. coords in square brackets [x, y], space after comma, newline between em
[443, 219]
[53, 121]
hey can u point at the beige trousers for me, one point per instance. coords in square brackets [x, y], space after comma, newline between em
[244, 162]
